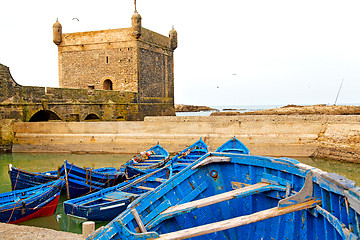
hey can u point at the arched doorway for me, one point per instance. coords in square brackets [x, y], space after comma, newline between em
[107, 85]
[44, 116]
[92, 117]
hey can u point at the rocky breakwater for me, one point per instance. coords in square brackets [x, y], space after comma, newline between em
[191, 108]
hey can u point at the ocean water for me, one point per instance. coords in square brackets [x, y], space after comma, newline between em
[230, 108]
[242, 109]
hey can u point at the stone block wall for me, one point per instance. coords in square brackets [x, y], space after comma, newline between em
[333, 137]
[21, 103]
[143, 65]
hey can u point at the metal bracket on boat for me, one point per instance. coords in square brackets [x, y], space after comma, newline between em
[304, 195]
[211, 159]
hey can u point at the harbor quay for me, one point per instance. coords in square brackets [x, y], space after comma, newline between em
[326, 136]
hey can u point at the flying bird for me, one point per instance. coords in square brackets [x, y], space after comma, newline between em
[76, 19]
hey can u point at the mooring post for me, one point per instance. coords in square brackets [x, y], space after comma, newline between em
[87, 228]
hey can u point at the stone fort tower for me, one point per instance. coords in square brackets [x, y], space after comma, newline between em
[127, 59]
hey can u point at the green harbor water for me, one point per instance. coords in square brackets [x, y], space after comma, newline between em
[60, 221]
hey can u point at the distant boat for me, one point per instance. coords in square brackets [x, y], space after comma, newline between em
[191, 153]
[106, 204]
[22, 205]
[154, 157]
[233, 146]
[238, 196]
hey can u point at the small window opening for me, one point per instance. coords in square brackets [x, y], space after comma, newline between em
[107, 59]
[107, 85]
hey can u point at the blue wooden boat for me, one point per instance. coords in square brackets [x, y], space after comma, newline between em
[108, 203]
[110, 176]
[237, 196]
[233, 146]
[132, 172]
[191, 153]
[79, 186]
[22, 205]
[21, 179]
[153, 158]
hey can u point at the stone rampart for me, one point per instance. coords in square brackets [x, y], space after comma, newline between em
[333, 136]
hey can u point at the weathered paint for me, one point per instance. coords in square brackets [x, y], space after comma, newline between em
[302, 224]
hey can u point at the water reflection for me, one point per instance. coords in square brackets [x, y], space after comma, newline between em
[59, 221]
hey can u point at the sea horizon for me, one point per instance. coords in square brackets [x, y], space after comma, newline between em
[247, 108]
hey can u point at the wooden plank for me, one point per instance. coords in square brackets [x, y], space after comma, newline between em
[238, 221]
[192, 195]
[214, 199]
[237, 185]
[145, 188]
[138, 220]
[211, 159]
[160, 180]
[110, 200]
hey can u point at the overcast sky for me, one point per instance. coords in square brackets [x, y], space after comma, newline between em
[230, 52]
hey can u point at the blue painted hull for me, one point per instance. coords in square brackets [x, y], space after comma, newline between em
[233, 146]
[22, 205]
[237, 196]
[106, 204]
[108, 176]
[21, 179]
[131, 171]
[79, 187]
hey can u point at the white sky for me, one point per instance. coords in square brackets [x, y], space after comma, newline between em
[230, 52]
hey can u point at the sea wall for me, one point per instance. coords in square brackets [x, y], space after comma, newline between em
[331, 136]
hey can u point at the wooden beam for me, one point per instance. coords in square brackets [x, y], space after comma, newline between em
[145, 188]
[238, 221]
[138, 220]
[211, 159]
[160, 180]
[214, 199]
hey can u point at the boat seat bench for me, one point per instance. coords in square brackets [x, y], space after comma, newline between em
[145, 188]
[237, 221]
[156, 179]
[193, 205]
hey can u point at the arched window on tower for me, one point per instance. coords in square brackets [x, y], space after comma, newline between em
[108, 85]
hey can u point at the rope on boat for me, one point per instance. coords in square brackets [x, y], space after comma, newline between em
[16, 180]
